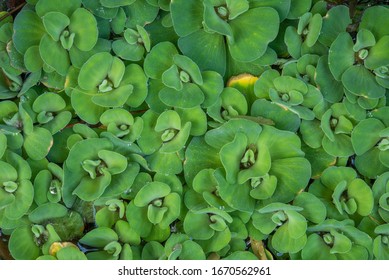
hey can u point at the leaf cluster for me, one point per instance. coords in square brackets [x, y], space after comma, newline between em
[194, 129]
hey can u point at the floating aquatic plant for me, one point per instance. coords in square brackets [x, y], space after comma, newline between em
[194, 129]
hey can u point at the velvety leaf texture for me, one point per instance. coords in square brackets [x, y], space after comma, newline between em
[195, 130]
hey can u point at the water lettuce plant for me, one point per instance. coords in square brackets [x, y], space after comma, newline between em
[194, 129]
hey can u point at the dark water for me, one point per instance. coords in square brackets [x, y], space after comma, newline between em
[86, 249]
[4, 252]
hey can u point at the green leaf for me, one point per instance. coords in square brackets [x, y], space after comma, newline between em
[231, 155]
[192, 21]
[284, 243]
[313, 209]
[106, 218]
[153, 251]
[54, 55]
[241, 255]
[155, 214]
[171, 78]
[145, 37]
[25, 118]
[366, 135]
[199, 155]
[114, 98]
[363, 196]
[22, 245]
[332, 176]
[6, 198]
[224, 134]
[212, 87]
[95, 70]
[281, 144]
[298, 8]
[335, 22]
[236, 8]
[218, 241]
[178, 142]
[41, 186]
[365, 39]
[174, 244]
[126, 233]
[360, 81]
[70, 253]
[311, 133]
[85, 108]
[7, 172]
[344, 125]
[128, 52]
[214, 22]
[190, 96]
[374, 19]
[49, 102]
[121, 182]
[7, 108]
[278, 206]
[137, 218]
[116, 163]
[78, 57]
[341, 55]
[99, 237]
[265, 189]
[59, 122]
[316, 249]
[293, 41]
[297, 224]
[21, 165]
[197, 226]
[159, 59]
[55, 23]
[38, 143]
[260, 168]
[292, 174]
[117, 116]
[282, 6]
[173, 203]
[140, 13]
[342, 244]
[197, 117]
[287, 84]
[247, 45]
[368, 165]
[377, 54]
[379, 249]
[67, 7]
[314, 27]
[3, 144]
[135, 76]
[46, 212]
[116, 3]
[191, 251]
[150, 192]
[149, 141]
[384, 158]
[83, 24]
[283, 119]
[331, 89]
[213, 45]
[190, 67]
[236, 196]
[90, 189]
[233, 97]
[340, 147]
[24, 38]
